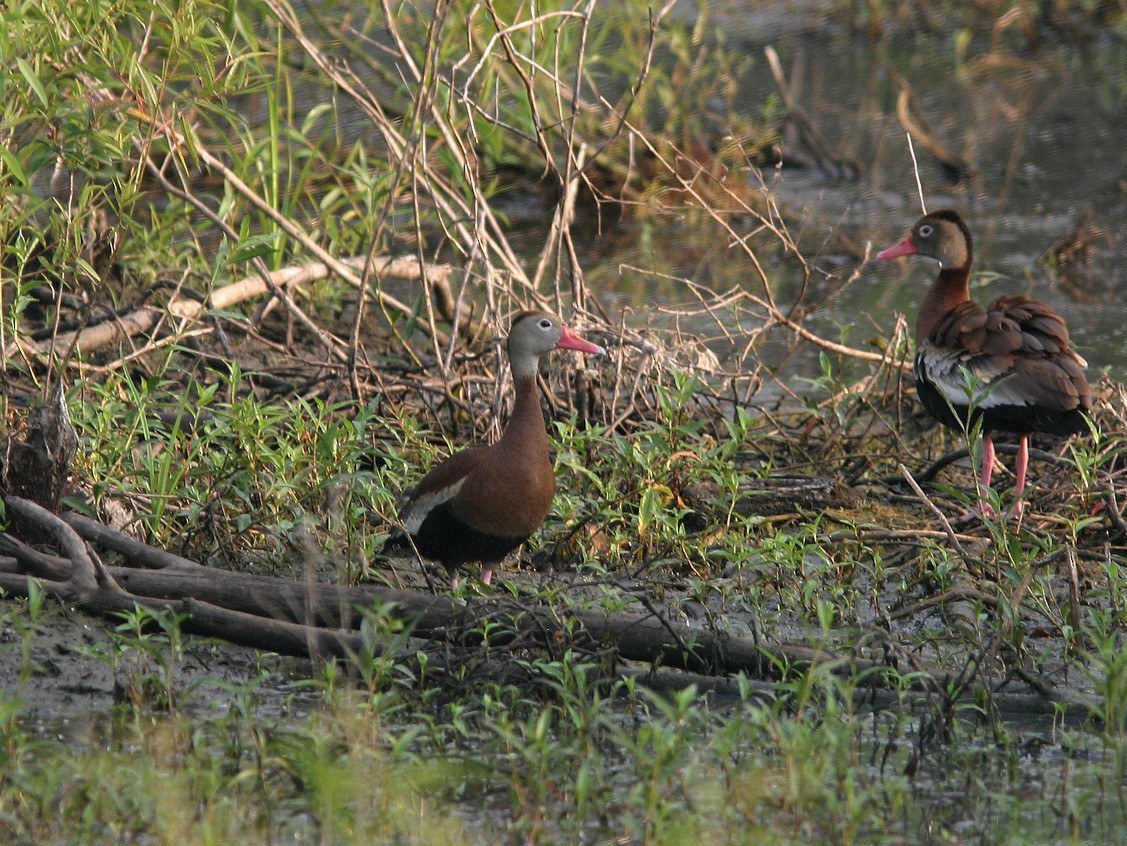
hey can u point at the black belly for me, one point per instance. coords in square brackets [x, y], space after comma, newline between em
[1016, 419]
[443, 537]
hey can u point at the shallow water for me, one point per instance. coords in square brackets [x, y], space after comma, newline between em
[1043, 125]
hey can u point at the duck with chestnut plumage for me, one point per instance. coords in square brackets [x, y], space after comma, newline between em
[482, 503]
[1029, 377]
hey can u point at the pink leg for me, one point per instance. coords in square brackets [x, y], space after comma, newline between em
[987, 460]
[1019, 468]
[984, 477]
[487, 574]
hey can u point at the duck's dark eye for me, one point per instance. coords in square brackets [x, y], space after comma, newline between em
[926, 230]
[545, 323]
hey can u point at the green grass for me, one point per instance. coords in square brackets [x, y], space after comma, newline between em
[547, 749]
[565, 754]
[244, 479]
[239, 441]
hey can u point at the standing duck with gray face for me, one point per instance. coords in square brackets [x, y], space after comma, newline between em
[1030, 379]
[482, 503]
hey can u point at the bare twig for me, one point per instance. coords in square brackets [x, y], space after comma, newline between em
[943, 521]
[916, 172]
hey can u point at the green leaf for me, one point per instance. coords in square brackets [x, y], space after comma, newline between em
[13, 164]
[263, 244]
[33, 80]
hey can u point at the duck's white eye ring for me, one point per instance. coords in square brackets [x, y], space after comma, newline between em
[545, 323]
[926, 230]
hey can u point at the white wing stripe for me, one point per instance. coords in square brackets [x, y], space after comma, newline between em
[945, 374]
[417, 512]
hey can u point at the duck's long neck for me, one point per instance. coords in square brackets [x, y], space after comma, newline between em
[950, 289]
[525, 429]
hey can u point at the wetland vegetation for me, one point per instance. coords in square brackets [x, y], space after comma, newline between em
[266, 252]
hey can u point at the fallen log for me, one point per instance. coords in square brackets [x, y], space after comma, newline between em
[306, 618]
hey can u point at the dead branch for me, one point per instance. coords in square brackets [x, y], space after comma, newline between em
[958, 168]
[313, 619]
[807, 131]
[145, 319]
[940, 516]
[81, 579]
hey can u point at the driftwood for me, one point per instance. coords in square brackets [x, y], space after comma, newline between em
[83, 580]
[258, 607]
[323, 620]
[147, 319]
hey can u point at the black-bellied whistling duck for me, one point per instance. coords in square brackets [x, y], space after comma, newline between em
[1030, 379]
[482, 503]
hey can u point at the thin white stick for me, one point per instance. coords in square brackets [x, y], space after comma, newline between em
[916, 171]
